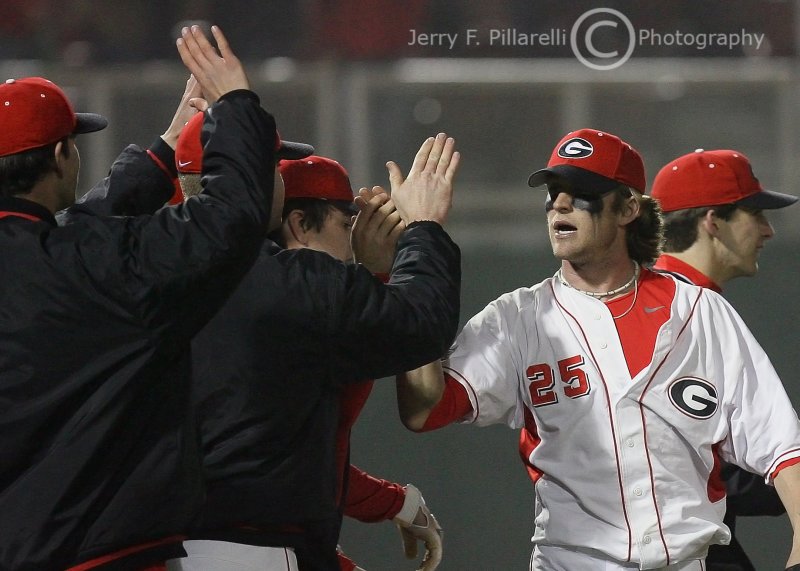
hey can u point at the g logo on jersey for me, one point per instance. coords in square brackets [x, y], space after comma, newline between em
[695, 397]
[575, 148]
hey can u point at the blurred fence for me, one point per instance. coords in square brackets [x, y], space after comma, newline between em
[505, 114]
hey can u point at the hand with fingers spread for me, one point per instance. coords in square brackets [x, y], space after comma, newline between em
[188, 106]
[427, 192]
[376, 230]
[216, 72]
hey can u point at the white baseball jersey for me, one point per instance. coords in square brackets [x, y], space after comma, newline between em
[621, 465]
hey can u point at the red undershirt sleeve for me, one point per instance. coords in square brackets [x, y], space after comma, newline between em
[453, 406]
[371, 499]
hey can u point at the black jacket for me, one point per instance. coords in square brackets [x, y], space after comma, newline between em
[268, 369]
[97, 451]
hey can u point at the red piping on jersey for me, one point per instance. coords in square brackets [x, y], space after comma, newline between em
[644, 424]
[610, 422]
[781, 464]
[471, 389]
[6, 213]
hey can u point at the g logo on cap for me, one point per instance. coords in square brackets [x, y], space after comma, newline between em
[575, 148]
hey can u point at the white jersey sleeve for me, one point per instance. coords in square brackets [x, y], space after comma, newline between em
[487, 358]
[764, 427]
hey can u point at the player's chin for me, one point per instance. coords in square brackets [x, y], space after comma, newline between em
[749, 269]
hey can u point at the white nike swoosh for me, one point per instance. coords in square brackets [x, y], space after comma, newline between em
[653, 309]
[183, 164]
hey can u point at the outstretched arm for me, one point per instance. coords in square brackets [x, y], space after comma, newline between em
[787, 482]
[422, 295]
[418, 393]
[139, 182]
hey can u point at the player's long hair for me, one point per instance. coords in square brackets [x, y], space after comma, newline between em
[645, 235]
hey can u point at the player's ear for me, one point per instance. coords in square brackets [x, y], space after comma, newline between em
[61, 152]
[631, 208]
[709, 222]
[295, 222]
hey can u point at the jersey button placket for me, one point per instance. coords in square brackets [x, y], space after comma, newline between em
[636, 475]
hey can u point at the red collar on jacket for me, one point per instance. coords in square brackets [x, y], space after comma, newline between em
[673, 265]
[27, 209]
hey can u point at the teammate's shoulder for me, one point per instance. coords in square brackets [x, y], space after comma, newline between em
[662, 277]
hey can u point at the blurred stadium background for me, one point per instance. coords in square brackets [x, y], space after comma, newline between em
[342, 76]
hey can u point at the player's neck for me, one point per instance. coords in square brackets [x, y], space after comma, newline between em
[46, 193]
[703, 259]
[604, 281]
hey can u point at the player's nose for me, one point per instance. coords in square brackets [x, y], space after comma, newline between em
[767, 231]
[562, 201]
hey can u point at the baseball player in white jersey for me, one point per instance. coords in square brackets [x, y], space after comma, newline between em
[629, 387]
[715, 226]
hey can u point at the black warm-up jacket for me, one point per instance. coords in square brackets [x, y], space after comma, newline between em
[97, 450]
[268, 369]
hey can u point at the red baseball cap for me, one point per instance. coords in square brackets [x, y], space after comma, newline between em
[593, 161]
[189, 150]
[316, 177]
[35, 112]
[713, 178]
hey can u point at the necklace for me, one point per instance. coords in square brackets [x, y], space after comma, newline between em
[597, 295]
[635, 295]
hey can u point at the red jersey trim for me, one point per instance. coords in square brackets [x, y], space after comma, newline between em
[454, 405]
[125, 552]
[673, 265]
[780, 465]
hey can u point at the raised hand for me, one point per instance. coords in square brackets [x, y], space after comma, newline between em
[376, 230]
[188, 106]
[216, 72]
[427, 192]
